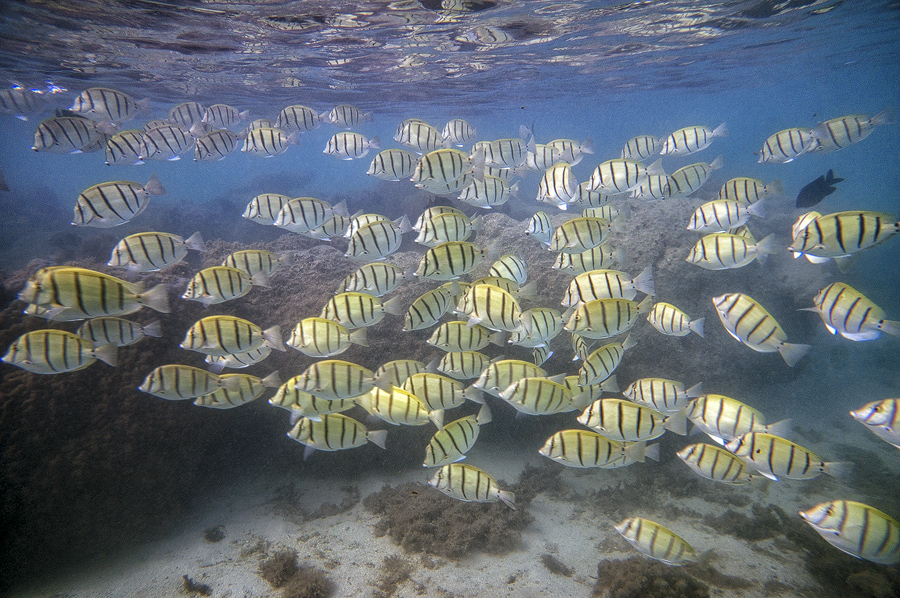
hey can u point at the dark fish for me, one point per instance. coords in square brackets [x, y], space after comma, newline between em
[817, 190]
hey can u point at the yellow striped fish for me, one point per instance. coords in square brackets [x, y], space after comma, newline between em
[125, 148]
[656, 541]
[248, 389]
[449, 188]
[716, 464]
[186, 114]
[582, 396]
[458, 132]
[622, 420]
[318, 337]
[595, 199]
[541, 325]
[433, 212]
[462, 365]
[226, 335]
[149, 252]
[582, 233]
[642, 147]
[334, 432]
[838, 133]
[451, 260]
[774, 456]
[470, 484]
[451, 443]
[787, 145]
[298, 118]
[585, 449]
[725, 251]
[121, 333]
[621, 175]
[539, 395]
[428, 308]
[107, 105]
[217, 363]
[114, 203]
[360, 220]
[543, 157]
[442, 166]
[499, 375]
[603, 318]
[749, 323]
[305, 214]
[77, 293]
[507, 153]
[601, 257]
[723, 418]
[690, 140]
[419, 136]
[510, 267]
[601, 363]
[377, 240]
[264, 208]
[671, 321]
[176, 382]
[434, 390]
[558, 186]
[377, 278]
[335, 227]
[882, 418]
[302, 404]
[358, 310]
[350, 146]
[540, 228]
[747, 190]
[844, 233]
[215, 145]
[395, 373]
[334, 379]
[218, 284]
[393, 165]
[722, 215]
[446, 227]
[653, 188]
[491, 307]
[57, 351]
[857, 529]
[259, 263]
[20, 102]
[66, 135]
[166, 142]
[223, 115]
[608, 284]
[847, 312]
[571, 151]
[666, 396]
[458, 336]
[346, 116]
[688, 179]
[399, 407]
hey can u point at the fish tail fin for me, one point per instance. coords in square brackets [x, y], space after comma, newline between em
[677, 423]
[273, 338]
[885, 117]
[156, 299]
[195, 242]
[154, 186]
[377, 437]
[108, 354]
[776, 187]
[359, 337]
[720, 131]
[394, 306]
[782, 428]
[697, 326]
[792, 353]
[610, 384]
[838, 469]
[273, 380]
[717, 163]
[644, 281]
[152, 329]
[891, 327]
[509, 498]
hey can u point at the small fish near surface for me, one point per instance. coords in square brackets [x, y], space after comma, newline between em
[817, 190]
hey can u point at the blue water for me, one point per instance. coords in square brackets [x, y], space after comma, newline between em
[601, 70]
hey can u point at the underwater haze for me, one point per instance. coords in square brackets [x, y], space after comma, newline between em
[123, 479]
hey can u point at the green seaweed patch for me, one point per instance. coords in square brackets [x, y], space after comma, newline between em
[768, 521]
[395, 571]
[420, 519]
[214, 534]
[639, 577]
[192, 587]
[282, 570]
[279, 567]
[556, 566]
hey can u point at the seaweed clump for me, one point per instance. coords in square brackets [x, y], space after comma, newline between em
[395, 571]
[192, 587]
[556, 566]
[637, 577]
[214, 534]
[283, 571]
[424, 520]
